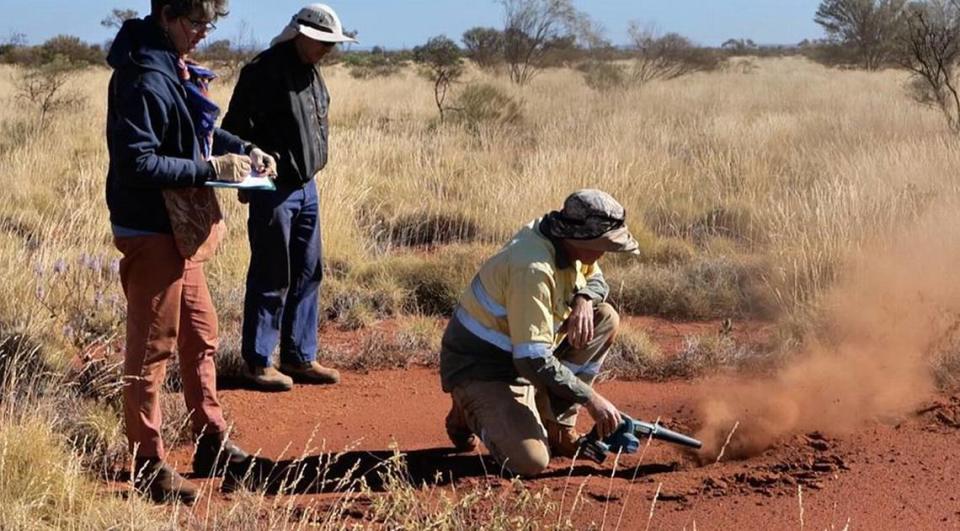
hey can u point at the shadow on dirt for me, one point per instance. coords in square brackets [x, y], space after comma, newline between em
[345, 472]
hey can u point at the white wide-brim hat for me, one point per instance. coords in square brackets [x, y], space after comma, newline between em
[316, 21]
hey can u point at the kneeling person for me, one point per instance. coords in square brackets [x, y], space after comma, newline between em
[521, 353]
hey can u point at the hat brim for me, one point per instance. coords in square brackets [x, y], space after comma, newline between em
[616, 241]
[324, 36]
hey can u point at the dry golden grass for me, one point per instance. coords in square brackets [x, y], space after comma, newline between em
[747, 191]
[794, 164]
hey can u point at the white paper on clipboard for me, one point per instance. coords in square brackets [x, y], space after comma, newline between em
[251, 182]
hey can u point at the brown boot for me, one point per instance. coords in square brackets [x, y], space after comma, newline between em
[311, 373]
[161, 483]
[458, 432]
[562, 439]
[215, 455]
[268, 379]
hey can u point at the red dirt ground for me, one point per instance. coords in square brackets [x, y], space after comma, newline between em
[900, 474]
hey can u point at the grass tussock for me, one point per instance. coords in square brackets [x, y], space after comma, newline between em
[633, 356]
[44, 486]
[415, 342]
[53, 445]
[484, 507]
[704, 287]
[702, 354]
[408, 283]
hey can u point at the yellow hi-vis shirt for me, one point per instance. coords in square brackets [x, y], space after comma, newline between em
[520, 298]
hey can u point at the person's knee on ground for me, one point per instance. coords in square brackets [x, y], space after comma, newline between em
[528, 458]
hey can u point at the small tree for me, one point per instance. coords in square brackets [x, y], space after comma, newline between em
[484, 46]
[667, 57]
[43, 87]
[739, 46]
[14, 42]
[930, 50]
[870, 27]
[442, 63]
[532, 28]
[117, 17]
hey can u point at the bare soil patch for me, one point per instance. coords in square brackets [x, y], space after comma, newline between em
[876, 475]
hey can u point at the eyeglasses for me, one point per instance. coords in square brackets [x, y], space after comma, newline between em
[201, 25]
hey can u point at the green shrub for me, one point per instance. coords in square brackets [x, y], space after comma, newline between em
[71, 49]
[483, 103]
[604, 76]
[372, 65]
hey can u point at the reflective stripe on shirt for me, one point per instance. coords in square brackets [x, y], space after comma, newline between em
[531, 351]
[501, 341]
[488, 304]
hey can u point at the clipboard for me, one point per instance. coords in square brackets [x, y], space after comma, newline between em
[251, 182]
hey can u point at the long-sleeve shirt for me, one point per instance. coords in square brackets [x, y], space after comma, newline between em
[280, 104]
[509, 320]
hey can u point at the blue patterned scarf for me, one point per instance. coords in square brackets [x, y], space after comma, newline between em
[196, 81]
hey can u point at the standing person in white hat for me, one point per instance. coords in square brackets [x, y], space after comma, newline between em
[281, 103]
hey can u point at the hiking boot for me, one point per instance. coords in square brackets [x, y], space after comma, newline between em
[215, 455]
[161, 483]
[563, 440]
[268, 379]
[460, 435]
[311, 373]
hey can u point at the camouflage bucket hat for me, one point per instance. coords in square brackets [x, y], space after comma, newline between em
[593, 219]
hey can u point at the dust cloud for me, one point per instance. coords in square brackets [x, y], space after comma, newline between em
[872, 360]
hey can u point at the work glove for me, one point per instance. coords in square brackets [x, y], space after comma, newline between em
[263, 164]
[231, 168]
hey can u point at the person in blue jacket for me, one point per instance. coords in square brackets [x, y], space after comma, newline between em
[164, 147]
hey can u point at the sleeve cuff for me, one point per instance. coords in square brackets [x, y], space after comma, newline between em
[205, 173]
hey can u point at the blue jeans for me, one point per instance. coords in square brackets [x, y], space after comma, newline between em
[280, 306]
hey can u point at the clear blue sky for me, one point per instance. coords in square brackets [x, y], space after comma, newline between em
[399, 23]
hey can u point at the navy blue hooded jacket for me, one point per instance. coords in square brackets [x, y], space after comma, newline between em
[150, 135]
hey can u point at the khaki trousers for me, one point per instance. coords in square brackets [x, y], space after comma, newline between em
[509, 418]
[168, 309]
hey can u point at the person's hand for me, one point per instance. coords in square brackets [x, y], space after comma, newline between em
[263, 163]
[605, 415]
[231, 168]
[579, 325]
